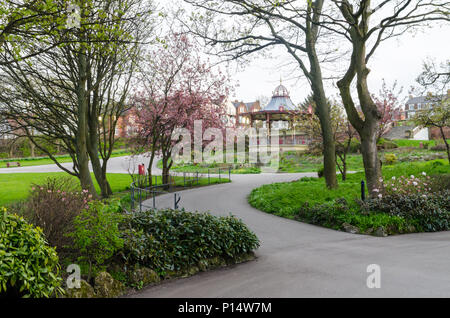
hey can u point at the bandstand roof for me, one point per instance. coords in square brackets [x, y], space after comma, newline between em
[280, 100]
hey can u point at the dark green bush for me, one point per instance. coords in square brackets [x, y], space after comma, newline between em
[174, 240]
[320, 172]
[28, 266]
[439, 182]
[427, 212]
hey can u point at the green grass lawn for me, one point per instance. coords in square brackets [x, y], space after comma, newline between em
[16, 186]
[294, 162]
[284, 199]
[26, 162]
[416, 143]
[211, 168]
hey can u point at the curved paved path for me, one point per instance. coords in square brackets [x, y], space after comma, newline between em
[302, 260]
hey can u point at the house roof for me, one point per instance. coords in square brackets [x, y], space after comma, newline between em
[423, 100]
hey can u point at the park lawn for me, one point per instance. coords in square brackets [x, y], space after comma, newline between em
[16, 186]
[284, 199]
[416, 143]
[211, 168]
[39, 161]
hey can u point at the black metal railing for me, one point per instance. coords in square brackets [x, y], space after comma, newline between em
[144, 193]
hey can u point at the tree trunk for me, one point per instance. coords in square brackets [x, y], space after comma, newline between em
[149, 169]
[445, 142]
[97, 167]
[165, 170]
[329, 147]
[322, 108]
[32, 154]
[372, 167]
[82, 154]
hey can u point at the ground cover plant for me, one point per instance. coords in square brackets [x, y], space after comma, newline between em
[308, 200]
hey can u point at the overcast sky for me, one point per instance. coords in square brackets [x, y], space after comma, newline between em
[399, 59]
[396, 59]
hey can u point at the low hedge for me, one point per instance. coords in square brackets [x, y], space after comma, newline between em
[168, 240]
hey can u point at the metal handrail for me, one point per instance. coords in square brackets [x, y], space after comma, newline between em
[141, 194]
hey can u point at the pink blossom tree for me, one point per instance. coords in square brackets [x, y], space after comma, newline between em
[178, 88]
[387, 103]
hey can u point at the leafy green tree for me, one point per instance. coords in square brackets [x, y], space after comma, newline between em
[75, 92]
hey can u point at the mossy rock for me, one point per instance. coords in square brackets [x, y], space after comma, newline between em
[192, 270]
[144, 275]
[216, 262]
[203, 265]
[107, 287]
[173, 274]
[245, 257]
[85, 291]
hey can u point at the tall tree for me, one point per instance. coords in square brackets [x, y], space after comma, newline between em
[62, 93]
[263, 24]
[366, 27]
[178, 89]
[388, 105]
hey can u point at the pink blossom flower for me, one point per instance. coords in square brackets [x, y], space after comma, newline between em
[380, 195]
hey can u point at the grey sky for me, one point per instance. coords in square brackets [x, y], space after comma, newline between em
[397, 59]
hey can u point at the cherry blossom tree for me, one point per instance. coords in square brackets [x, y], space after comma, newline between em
[388, 105]
[178, 89]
